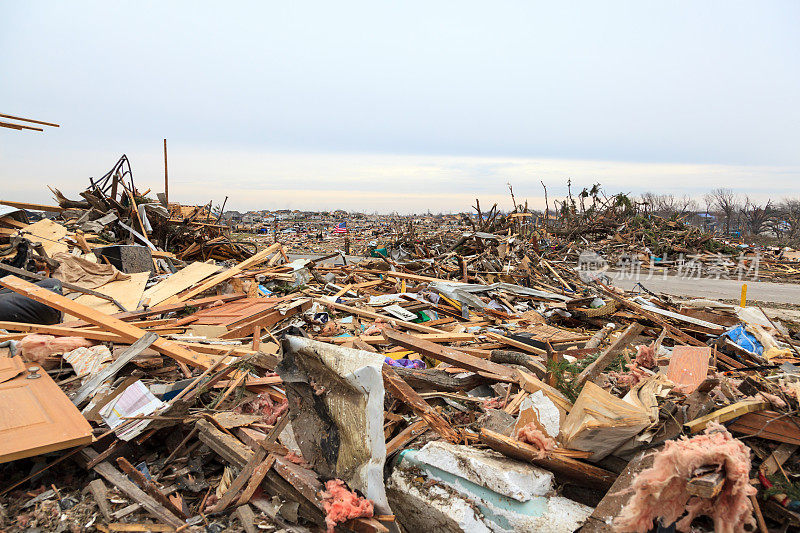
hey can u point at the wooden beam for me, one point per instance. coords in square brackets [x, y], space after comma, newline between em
[127, 487]
[447, 354]
[32, 207]
[728, 412]
[578, 472]
[515, 343]
[403, 392]
[375, 316]
[706, 485]
[227, 274]
[604, 359]
[12, 117]
[149, 487]
[129, 332]
[380, 339]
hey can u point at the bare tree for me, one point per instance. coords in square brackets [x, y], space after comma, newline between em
[757, 216]
[727, 202]
[788, 219]
[668, 205]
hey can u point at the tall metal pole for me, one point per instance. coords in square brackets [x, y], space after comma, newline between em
[166, 175]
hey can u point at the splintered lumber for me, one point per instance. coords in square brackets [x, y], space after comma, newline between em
[61, 331]
[127, 331]
[706, 485]
[578, 472]
[402, 391]
[226, 275]
[769, 425]
[410, 433]
[241, 480]
[531, 384]
[229, 448]
[255, 480]
[379, 339]
[100, 495]
[776, 459]
[127, 487]
[32, 207]
[148, 486]
[447, 354]
[674, 332]
[604, 359]
[247, 518]
[515, 343]
[375, 316]
[729, 412]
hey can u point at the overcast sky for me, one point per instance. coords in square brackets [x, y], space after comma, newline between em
[401, 106]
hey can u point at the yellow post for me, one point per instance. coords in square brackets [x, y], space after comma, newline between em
[744, 295]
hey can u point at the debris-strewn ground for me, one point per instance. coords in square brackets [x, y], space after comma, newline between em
[160, 372]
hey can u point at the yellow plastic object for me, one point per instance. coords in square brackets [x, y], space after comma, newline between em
[744, 295]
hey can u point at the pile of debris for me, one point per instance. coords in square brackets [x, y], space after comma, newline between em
[477, 386]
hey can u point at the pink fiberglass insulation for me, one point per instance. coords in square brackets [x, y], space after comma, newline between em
[660, 491]
[295, 458]
[37, 348]
[377, 327]
[532, 435]
[264, 406]
[645, 358]
[646, 355]
[342, 505]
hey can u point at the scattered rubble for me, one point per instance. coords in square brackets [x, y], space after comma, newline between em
[156, 374]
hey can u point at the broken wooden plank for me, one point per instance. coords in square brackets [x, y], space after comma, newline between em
[127, 331]
[148, 486]
[100, 494]
[729, 412]
[227, 447]
[706, 485]
[403, 392]
[515, 343]
[607, 356]
[246, 518]
[127, 487]
[447, 354]
[369, 314]
[241, 480]
[578, 472]
[769, 425]
[776, 459]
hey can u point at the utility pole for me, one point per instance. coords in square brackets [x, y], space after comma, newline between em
[166, 176]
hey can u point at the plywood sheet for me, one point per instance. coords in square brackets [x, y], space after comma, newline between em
[180, 281]
[233, 313]
[688, 366]
[127, 292]
[37, 417]
[48, 233]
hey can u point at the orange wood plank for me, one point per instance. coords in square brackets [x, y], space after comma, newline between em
[125, 330]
